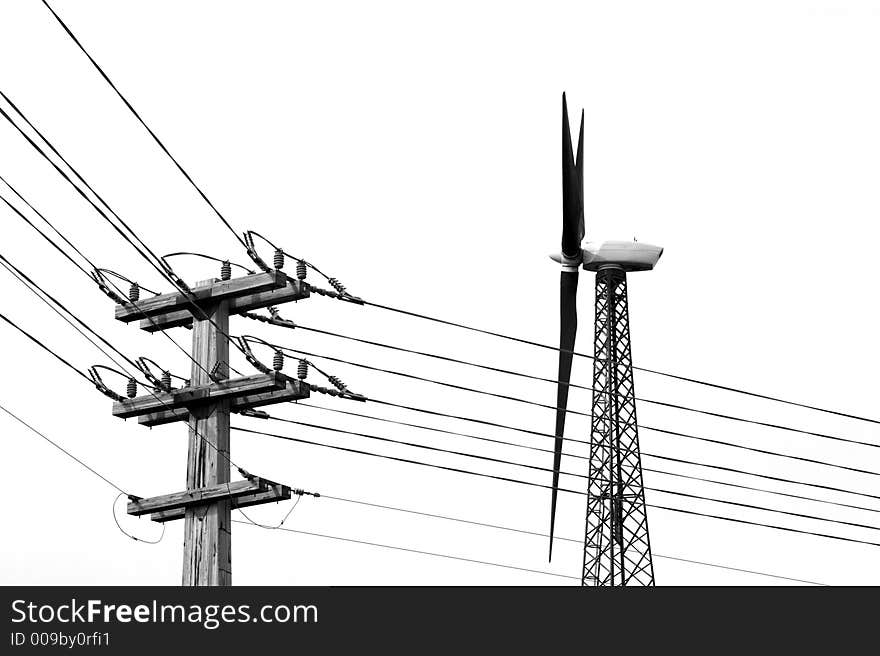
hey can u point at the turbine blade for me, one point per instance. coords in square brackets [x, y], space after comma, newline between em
[572, 193]
[579, 167]
[568, 283]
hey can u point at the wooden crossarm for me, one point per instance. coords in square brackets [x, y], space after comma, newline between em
[227, 389]
[294, 290]
[196, 496]
[274, 492]
[209, 293]
[295, 390]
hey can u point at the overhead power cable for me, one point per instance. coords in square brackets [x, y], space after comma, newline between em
[28, 221]
[414, 551]
[139, 247]
[532, 484]
[203, 256]
[433, 429]
[369, 303]
[106, 480]
[35, 289]
[664, 431]
[156, 262]
[776, 454]
[581, 457]
[64, 451]
[427, 447]
[778, 528]
[144, 124]
[790, 513]
[514, 463]
[46, 348]
[757, 489]
[546, 535]
[124, 372]
[473, 420]
[513, 444]
[223, 219]
[770, 477]
[93, 471]
[687, 379]
[738, 569]
[548, 406]
[135, 304]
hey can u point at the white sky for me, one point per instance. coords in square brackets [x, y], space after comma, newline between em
[414, 154]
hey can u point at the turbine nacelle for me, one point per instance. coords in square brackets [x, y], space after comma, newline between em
[628, 255]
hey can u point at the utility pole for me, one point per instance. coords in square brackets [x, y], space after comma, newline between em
[205, 404]
[207, 536]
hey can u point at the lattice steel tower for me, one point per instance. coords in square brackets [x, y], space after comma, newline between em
[617, 549]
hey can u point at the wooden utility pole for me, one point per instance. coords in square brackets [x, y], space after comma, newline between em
[207, 537]
[205, 404]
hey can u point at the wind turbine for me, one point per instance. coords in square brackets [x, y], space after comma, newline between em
[616, 547]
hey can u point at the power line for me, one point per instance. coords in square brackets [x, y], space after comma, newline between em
[434, 429]
[28, 221]
[646, 469]
[584, 476]
[93, 471]
[285, 323]
[545, 535]
[162, 267]
[775, 478]
[759, 489]
[738, 569]
[415, 551]
[473, 420]
[686, 379]
[63, 450]
[436, 449]
[147, 388]
[69, 322]
[539, 485]
[34, 288]
[397, 310]
[398, 459]
[135, 304]
[567, 410]
[415, 512]
[640, 426]
[757, 450]
[33, 284]
[45, 348]
[147, 127]
[765, 509]
[751, 523]
[106, 480]
[644, 454]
